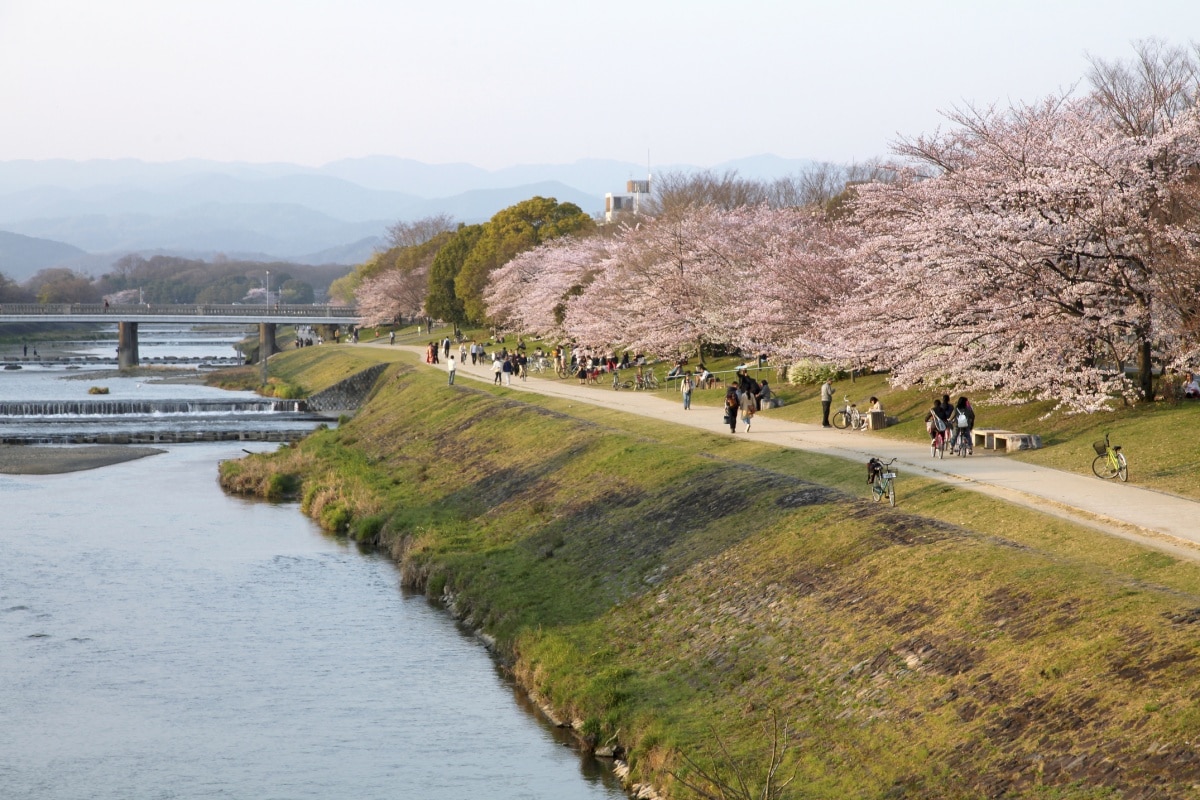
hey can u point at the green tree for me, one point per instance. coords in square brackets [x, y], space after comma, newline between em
[62, 285]
[442, 301]
[511, 231]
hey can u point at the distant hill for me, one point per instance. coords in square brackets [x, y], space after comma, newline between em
[285, 211]
[22, 256]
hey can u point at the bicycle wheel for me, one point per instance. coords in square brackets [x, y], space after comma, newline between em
[877, 489]
[891, 492]
[841, 420]
[1103, 467]
[941, 447]
[1122, 468]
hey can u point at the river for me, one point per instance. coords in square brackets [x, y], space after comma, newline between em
[160, 639]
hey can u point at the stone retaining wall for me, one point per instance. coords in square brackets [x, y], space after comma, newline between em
[346, 395]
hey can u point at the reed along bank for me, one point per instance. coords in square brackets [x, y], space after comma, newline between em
[710, 608]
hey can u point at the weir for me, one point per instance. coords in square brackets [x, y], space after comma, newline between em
[106, 408]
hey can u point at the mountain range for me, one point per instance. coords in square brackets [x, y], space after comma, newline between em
[87, 214]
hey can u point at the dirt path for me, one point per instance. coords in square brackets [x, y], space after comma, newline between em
[1159, 520]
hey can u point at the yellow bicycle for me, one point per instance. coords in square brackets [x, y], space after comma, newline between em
[1110, 461]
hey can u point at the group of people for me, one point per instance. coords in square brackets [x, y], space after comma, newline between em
[745, 397]
[506, 364]
[950, 423]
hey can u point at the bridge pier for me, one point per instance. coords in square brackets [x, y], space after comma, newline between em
[266, 340]
[127, 345]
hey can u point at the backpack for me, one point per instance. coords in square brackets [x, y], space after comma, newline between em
[939, 424]
[963, 422]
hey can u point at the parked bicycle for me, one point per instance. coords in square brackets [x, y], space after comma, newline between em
[1110, 461]
[850, 417]
[646, 381]
[882, 479]
[618, 383]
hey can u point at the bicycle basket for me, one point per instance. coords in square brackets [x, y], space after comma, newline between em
[1100, 447]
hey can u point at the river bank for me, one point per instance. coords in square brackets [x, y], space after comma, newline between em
[676, 594]
[38, 460]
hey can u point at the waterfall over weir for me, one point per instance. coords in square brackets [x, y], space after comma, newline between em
[110, 408]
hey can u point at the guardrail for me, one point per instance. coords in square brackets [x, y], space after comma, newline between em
[176, 309]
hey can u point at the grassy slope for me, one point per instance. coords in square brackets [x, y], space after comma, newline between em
[658, 585]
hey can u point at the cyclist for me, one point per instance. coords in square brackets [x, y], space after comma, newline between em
[964, 422]
[936, 424]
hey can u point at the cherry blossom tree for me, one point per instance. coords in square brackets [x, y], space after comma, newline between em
[392, 295]
[529, 293]
[1023, 254]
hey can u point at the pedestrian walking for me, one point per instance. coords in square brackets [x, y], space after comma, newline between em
[826, 402]
[497, 368]
[747, 405]
[731, 408]
[392, 337]
[450, 369]
[685, 388]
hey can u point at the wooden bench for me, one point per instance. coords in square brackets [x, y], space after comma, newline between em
[1007, 440]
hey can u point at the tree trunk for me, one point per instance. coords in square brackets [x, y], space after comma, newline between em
[1145, 371]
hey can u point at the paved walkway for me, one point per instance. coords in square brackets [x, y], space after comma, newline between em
[1160, 520]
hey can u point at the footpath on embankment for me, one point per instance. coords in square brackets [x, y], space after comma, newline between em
[1157, 519]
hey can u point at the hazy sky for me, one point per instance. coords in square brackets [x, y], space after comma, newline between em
[497, 83]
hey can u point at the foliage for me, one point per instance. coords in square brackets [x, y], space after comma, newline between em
[413, 245]
[755, 278]
[12, 292]
[394, 284]
[442, 301]
[62, 285]
[1032, 263]
[172, 279]
[509, 232]
[1043, 251]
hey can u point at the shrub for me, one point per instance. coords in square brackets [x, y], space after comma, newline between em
[811, 372]
[98, 390]
[367, 529]
[336, 517]
[281, 486]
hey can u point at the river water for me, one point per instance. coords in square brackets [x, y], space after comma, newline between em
[160, 639]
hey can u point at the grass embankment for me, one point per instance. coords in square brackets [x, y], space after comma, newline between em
[300, 373]
[661, 587]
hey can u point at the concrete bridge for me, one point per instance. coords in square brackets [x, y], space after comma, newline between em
[128, 317]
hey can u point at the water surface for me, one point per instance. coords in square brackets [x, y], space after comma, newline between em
[159, 639]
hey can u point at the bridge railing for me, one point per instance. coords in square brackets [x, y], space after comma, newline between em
[180, 309]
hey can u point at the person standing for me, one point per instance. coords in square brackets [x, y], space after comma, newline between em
[497, 367]
[826, 402]
[392, 337]
[450, 369]
[685, 387]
